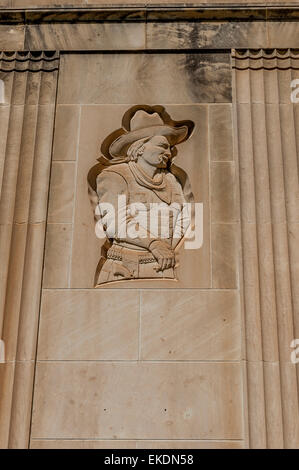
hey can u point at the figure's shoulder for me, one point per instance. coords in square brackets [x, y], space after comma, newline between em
[121, 169]
[172, 179]
[114, 172]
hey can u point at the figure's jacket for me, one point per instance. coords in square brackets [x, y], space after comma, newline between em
[158, 206]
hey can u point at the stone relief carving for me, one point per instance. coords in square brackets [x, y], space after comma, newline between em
[141, 198]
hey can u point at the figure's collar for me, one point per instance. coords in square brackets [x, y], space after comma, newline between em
[158, 184]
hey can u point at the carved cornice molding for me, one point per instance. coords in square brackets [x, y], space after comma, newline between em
[143, 12]
[29, 61]
[268, 59]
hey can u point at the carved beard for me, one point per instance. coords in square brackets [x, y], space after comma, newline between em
[158, 184]
[163, 162]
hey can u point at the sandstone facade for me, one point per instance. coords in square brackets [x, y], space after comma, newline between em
[206, 360]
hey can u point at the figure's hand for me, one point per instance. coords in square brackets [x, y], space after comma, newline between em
[163, 254]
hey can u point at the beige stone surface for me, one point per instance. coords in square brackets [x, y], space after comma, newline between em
[256, 405]
[62, 188]
[26, 150]
[18, 89]
[96, 123]
[206, 35]
[282, 34]
[66, 132]
[131, 179]
[57, 255]
[187, 78]
[290, 407]
[7, 370]
[42, 164]
[24, 198]
[26, 334]
[85, 36]
[195, 444]
[273, 408]
[118, 444]
[47, 94]
[26, 163]
[225, 245]
[220, 129]
[293, 234]
[22, 299]
[77, 444]
[16, 379]
[90, 341]
[91, 391]
[24, 194]
[4, 122]
[89, 325]
[11, 300]
[190, 325]
[157, 401]
[21, 407]
[12, 37]
[223, 192]
[10, 169]
[269, 194]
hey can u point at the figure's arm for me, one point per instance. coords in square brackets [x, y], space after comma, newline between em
[111, 190]
[183, 212]
[112, 212]
[182, 223]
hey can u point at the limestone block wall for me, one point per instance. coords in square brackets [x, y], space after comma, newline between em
[206, 363]
[136, 361]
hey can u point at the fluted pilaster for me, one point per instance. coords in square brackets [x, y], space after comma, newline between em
[26, 125]
[267, 128]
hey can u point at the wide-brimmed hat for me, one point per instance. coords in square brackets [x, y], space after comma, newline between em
[148, 122]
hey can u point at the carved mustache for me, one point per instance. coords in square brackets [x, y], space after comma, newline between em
[165, 158]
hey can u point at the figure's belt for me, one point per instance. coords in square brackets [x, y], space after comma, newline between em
[120, 253]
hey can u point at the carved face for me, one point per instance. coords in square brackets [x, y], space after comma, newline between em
[156, 152]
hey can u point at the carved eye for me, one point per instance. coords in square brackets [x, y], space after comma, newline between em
[164, 146]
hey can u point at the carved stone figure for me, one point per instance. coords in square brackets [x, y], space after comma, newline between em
[141, 196]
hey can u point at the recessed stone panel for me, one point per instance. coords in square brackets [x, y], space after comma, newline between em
[151, 78]
[143, 360]
[221, 135]
[223, 192]
[225, 244]
[88, 325]
[190, 325]
[193, 157]
[66, 132]
[138, 401]
[62, 190]
[57, 255]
